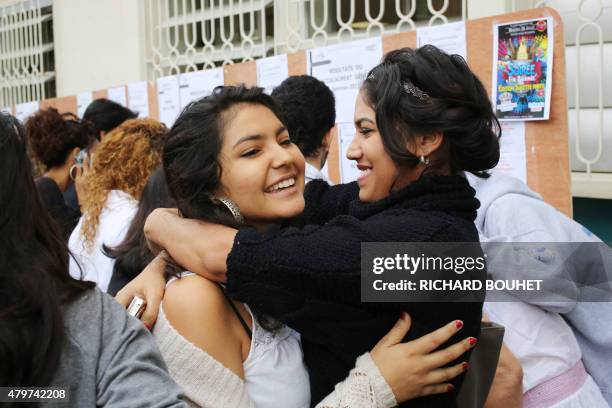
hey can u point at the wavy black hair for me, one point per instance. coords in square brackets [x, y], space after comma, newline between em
[308, 109]
[33, 271]
[456, 104]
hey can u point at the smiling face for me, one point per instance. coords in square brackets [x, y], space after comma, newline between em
[261, 170]
[378, 171]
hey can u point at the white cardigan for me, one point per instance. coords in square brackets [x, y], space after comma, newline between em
[209, 384]
[115, 219]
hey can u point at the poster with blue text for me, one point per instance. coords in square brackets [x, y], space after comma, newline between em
[522, 74]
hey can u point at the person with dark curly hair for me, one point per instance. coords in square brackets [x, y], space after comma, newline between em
[55, 141]
[308, 109]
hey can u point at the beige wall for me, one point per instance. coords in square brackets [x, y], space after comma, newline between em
[98, 44]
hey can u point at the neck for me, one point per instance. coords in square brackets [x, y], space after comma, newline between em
[315, 161]
[61, 177]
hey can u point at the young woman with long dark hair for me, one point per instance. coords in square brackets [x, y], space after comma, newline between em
[54, 330]
[422, 117]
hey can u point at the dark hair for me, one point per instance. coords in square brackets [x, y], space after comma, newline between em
[133, 255]
[456, 104]
[191, 158]
[33, 271]
[308, 109]
[106, 115]
[53, 135]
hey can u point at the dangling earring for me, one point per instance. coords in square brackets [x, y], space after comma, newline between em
[232, 207]
[424, 160]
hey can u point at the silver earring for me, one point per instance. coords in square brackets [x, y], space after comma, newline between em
[233, 208]
[424, 160]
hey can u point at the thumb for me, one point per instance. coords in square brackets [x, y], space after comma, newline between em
[398, 331]
[149, 316]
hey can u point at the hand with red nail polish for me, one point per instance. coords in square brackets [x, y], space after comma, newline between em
[414, 369]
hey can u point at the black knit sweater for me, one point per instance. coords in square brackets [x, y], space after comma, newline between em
[309, 277]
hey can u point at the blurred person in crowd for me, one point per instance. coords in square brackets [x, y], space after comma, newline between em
[104, 115]
[132, 255]
[565, 341]
[125, 159]
[56, 331]
[308, 109]
[227, 353]
[55, 142]
[422, 118]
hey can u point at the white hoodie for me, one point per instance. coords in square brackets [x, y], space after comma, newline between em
[511, 212]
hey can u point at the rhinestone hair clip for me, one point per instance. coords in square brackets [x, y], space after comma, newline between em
[410, 88]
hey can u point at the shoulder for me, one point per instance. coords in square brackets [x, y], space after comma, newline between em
[199, 311]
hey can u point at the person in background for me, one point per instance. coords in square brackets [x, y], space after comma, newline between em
[104, 115]
[125, 159]
[132, 255]
[56, 331]
[308, 109]
[55, 141]
[511, 212]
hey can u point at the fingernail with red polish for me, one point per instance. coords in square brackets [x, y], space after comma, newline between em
[472, 341]
[465, 366]
[451, 387]
[404, 316]
[458, 324]
[147, 326]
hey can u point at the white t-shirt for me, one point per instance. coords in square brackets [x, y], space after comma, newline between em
[115, 219]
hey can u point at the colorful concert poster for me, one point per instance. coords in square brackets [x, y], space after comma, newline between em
[522, 78]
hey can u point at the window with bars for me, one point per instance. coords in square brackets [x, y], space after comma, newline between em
[27, 66]
[187, 35]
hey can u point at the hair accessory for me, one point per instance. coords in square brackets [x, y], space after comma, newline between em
[232, 207]
[409, 88]
[424, 160]
[415, 91]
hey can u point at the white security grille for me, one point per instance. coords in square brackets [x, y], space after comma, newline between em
[186, 35]
[26, 52]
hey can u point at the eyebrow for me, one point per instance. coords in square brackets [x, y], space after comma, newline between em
[358, 121]
[258, 137]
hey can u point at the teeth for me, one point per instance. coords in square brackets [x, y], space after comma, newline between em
[365, 172]
[283, 184]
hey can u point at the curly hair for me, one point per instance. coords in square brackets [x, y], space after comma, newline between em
[125, 159]
[53, 135]
[308, 109]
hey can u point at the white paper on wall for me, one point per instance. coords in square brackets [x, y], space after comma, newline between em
[272, 71]
[168, 99]
[343, 67]
[450, 38]
[25, 110]
[118, 95]
[83, 101]
[195, 85]
[512, 158]
[138, 98]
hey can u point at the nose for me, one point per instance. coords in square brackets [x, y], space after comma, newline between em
[281, 157]
[354, 150]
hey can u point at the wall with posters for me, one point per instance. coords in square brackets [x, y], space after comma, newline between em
[536, 151]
